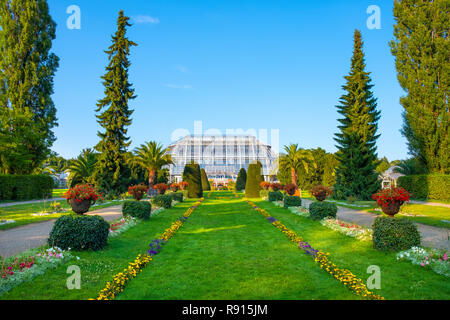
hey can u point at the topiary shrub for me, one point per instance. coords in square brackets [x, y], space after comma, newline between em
[241, 180]
[176, 196]
[79, 233]
[275, 196]
[322, 210]
[192, 175]
[205, 182]
[254, 179]
[137, 209]
[162, 201]
[292, 201]
[394, 234]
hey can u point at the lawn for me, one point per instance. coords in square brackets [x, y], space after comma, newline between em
[24, 213]
[227, 250]
[58, 193]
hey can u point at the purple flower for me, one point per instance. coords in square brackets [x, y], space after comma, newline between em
[271, 219]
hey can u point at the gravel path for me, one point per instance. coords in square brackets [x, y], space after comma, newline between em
[433, 204]
[434, 237]
[16, 240]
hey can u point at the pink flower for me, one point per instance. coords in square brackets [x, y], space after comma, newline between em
[445, 257]
[422, 264]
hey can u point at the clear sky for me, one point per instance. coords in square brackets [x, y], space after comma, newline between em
[228, 63]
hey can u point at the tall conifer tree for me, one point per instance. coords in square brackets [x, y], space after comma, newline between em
[422, 51]
[27, 68]
[356, 175]
[112, 171]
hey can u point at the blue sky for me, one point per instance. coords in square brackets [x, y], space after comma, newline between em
[230, 64]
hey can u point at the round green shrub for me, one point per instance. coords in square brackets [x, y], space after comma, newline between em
[137, 209]
[292, 201]
[394, 234]
[241, 180]
[79, 233]
[254, 179]
[192, 175]
[176, 196]
[322, 210]
[162, 201]
[275, 196]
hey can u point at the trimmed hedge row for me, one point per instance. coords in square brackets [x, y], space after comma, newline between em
[31, 187]
[176, 196]
[137, 209]
[275, 196]
[431, 187]
[79, 233]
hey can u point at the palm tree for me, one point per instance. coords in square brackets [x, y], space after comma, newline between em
[409, 167]
[152, 157]
[294, 159]
[82, 168]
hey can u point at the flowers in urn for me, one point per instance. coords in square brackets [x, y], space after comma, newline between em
[321, 192]
[391, 199]
[138, 191]
[82, 197]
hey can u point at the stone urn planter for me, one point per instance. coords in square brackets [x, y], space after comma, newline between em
[321, 196]
[81, 207]
[392, 208]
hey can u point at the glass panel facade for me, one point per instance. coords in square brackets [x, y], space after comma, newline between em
[221, 156]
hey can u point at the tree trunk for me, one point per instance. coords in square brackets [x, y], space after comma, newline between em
[151, 178]
[294, 176]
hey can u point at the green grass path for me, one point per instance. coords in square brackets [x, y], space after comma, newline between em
[228, 251]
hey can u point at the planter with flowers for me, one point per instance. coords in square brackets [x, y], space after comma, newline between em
[174, 187]
[82, 197]
[290, 189]
[321, 192]
[138, 191]
[161, 187]
[391, 199]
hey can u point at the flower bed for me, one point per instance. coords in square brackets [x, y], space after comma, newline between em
[346, 277]
[120, 280]
[350, 230]
[299, 211]
[28, 265]
[122, 225]
[433, 259]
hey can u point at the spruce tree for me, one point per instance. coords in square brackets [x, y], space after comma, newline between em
[241, 180]
[112, 171]
[356, 174]
[27, 68]
[421, 48]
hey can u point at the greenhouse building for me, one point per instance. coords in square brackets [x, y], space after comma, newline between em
[221, 156]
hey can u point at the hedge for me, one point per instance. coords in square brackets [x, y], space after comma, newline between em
[427, 187]
[31, 187]
[79, 233]
[137, 209]
[254, 179]
[193, 177]
[395, 234]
